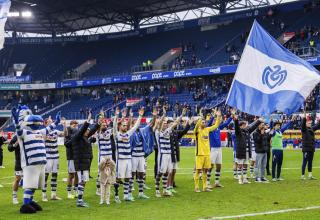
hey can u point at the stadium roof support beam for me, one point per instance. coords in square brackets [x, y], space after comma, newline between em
[69, 17]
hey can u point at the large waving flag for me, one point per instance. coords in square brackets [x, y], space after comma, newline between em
[269, 77]
[4, 10]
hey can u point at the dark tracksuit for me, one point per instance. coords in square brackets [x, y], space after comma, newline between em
[243, 142]
[175, 138]
[16, 149]
[68, 144]
[155, 156]
[82, 148]
[308, 148]
[2, 140]
[261, 148]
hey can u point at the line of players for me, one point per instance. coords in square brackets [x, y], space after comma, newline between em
[125, 142]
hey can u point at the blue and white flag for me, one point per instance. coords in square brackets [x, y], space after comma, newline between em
[269, 77]
[4, 10]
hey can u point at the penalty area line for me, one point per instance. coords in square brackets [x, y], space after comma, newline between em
[262, 213]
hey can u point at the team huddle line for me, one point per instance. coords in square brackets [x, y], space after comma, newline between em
[124, 145]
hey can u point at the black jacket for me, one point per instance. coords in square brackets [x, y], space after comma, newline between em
[175, 138]
[261, 142]
[243, 139]
[82, 148]
[308, 136]
[2, 140]
[68, 144]
[16, 149]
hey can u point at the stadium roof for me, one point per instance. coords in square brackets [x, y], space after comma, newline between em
[68, 16]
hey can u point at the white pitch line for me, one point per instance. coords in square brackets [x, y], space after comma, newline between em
[262, 213]
[183, 173]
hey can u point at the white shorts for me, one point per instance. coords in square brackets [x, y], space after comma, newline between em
[83, 175]
[52, 166]
[253, 155]
[242, 161]
[138, 164]
[124, 169]
[18, 173]
[216, 155]
[164, 163]
[34, 177]
[71, 168]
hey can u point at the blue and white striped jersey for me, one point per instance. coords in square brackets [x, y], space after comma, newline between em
[51, 143]
[32, 145]
[122, 139]
[164, 141]
[137, 150]
[104, 143]
[123, 146]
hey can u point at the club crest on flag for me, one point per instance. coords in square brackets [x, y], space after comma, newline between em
[273, 77]
[269, 77]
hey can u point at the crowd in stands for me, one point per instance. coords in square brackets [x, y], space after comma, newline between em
[188, 57]
[38, 100]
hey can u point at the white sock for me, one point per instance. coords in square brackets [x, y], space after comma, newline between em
[310, 174]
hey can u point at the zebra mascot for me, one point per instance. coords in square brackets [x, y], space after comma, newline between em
[33, 153]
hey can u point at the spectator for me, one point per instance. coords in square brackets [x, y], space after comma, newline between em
[2, 141]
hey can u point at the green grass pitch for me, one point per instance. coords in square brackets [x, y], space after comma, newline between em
[233, 199]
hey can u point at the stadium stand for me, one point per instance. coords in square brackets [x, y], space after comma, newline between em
[117, 56]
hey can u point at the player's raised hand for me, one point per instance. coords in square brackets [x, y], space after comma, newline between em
[233, 111]
[124, 112]
[261, 119]
[89, 115]
[63, 121]
[131, 113]
[201, 113]
[218, 113]
[214, 111]
[164, 110]
[117, 111]
[154, 112]
[184, 111]
[141, 111]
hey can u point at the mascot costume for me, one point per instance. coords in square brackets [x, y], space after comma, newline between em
[31, 133]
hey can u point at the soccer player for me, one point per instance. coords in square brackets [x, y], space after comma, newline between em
[138, 155]
[124, 154]
[52, 166]
[216, 151]
[33, 156]
[175, 138]
[72, 176]
[14, 146]
[242, 132]
[308, 148]
[162, 133]
[104, 147]
[82, 154]
[203, 163]
[277, 149]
